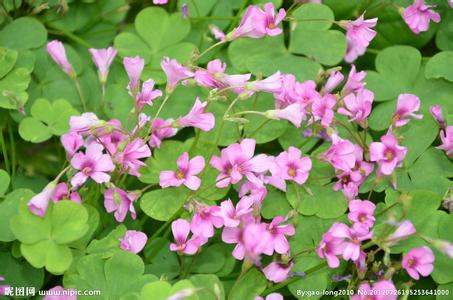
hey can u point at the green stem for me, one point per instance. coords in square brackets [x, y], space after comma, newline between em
[71, 36]
[13, 150]
[166, 224]
[210, 48]
[293, 279]
[79, 91]
[353, 135]
[167, 96]
[4, 151]
[248, 112]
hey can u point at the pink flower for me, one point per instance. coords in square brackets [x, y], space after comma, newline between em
[175, 72]
[447, 141]
[130, 157]
[71, 142]
[252, 241]
[352, 240]
[290, 165]
[272, 296]
[358, 106]
[333, 81]
[257, 23]
[197, 117]
[38, 203]
[362, 214]
[450, 3]
[236, 161]
[341, 155]
[270, 84]
[331, 246]
[181, 229]
[161, 129]
[277, 272]
[62, 192]
[418, 261]
[387, 153]
[359, 34]
[103, 58]
[204, 221]
[292, 113]
[407, 105]
[58, 53]
[186, 174]
[278, 233]
[160, 2]
[59, 293]
[118, 201]
[436, 112]
[404, 230]
[354, 82]
[271, 20]
[147, 95]
[85, 122]
[381, 290]
[232, 216]
[217, 33]
[349, 181]
[112, 136]
[418, 15]
[322, 109]
[91, 164]
[133, 241]
[214, 76]
[134, 68]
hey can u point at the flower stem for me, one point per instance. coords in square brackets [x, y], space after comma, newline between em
[79, 91]
[210, 48]
[4, 151]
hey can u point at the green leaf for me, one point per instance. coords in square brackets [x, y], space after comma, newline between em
[4, 182]
[275, 204]
[18, 273]
[438, 66]
[443, 263]
[315, 199]
[164, 263]
[109, 245]
[47, 119]
[12, 89]
[23, 33]
[121, 275]
[247, 55]
[8, 58]
[445, 32]
[253, 283]
[311, 37]
[163, 203]
[167, 29]
[9, 208]
[44, 240]
[397, 68]
[161, 290]
[209, 284]
[210, 260]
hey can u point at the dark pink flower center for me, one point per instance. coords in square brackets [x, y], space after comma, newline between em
[389, 155]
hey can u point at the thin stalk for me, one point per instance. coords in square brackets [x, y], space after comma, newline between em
[210, 48]
[13, 150]
[71, 36]
[5, 152]
[248, 112]
[79, 91]
[353, 135]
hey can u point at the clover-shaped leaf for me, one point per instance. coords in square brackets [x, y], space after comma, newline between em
[31, 32]
[9, 208]
[19, 273]
[209, 284]
[162, 204]
[109, 245]
[162, 290]
[164, 40]
[253, 283]
[8, 59]
[44, 240]
[12, 88]
[311, 37]
[248, 55]
[47, 119]
[439, 66]
[121, 275]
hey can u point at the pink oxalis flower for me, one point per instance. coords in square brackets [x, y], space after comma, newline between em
[175, 73]
[134, 68]
[103, 58]
[58, 53]
[418, 15]
[197, 117]
[186, 174]
[119, 201]
[418, 261]
[359, 34]
[407, 105]
[381, 290]
[133, 241]
[387, 153]
[447, 141]
[181, 230]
